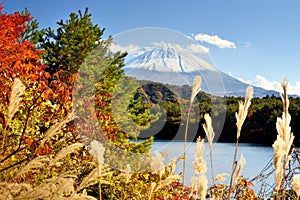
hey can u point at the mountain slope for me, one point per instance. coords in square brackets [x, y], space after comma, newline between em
[175, 67]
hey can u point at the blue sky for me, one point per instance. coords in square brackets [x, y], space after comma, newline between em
[256, 41]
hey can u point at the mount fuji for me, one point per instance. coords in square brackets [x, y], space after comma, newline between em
[176, 66]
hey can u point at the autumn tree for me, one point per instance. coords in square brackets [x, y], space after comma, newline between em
[77, 47]
[26, 118]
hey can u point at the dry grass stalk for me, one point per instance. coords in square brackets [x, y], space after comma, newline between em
[97, 151]
[243, 110]
[193, 186]
[240, 119]
[210, 134]
[83, 197]
[296, 185]
[170, 179]
[126, 174]
[54, 188]
[202, 187]
[238, 169]
[221, 177]
[195, 91]
[151, 190]
[17, 90]
[199, 163]
[93, 178]
[157, 164]
[9, 191]
[66, 151]
[37, 162]
[278, 155]
[284, 141]
[209, 131]
[196, 87]
[200, 182]
[172, 166]
[54, 129]
[14, 102]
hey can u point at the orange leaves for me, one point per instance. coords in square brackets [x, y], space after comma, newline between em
[18, 58]
[43, 150]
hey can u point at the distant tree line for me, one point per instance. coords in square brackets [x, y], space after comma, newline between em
[259, 127]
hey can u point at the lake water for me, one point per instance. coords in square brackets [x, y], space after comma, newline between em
[257, 157]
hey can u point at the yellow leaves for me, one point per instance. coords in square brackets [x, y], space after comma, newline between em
[146, 176]
[13, 158]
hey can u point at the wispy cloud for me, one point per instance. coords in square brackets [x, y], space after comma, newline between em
[215, 40]
[116, 47]
[192, 48]
[262, 82]
[246, 44]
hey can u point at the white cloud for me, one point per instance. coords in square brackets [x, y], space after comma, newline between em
[116, 47]
[197, 48]
[192, 48]
[247, 44]
[215, 40]
[262, 82]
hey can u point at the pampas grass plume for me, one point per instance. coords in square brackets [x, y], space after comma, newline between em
[237, 172]
[37, 162]
[202, 187]
[17, 90]
[221, 177]
[199, 163]
[157, 164]
[243, 110]
[209, 131]
[284, 140]
[97, 151]
[196, 87]
[66, 151]
[296, 184]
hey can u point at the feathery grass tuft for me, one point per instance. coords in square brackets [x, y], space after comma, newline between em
[196, 87]
[93, 178]
[238, 169]
[97, 151]
[16, 92]
[54, 129]
[210, 134]
[66, 151]
[296, 185]
[37, 162]
[202, 187]
[221, 177]
[199, 182]
[157, 164]
[240, 119]
[195, 91]
[199, 163]
[243, 110]
[126, 174]
[284, 140]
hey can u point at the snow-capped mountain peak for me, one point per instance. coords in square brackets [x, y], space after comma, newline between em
[168, 60]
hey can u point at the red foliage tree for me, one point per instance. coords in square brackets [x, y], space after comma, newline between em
[19, 58]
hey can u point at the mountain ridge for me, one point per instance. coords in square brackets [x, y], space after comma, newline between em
[169, 66]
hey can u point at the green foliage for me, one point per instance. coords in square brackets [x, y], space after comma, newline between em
[68, 46]
[31, 32]
[42, 155]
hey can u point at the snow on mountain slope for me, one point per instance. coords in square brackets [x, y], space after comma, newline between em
[168, 60]
[172, 66]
